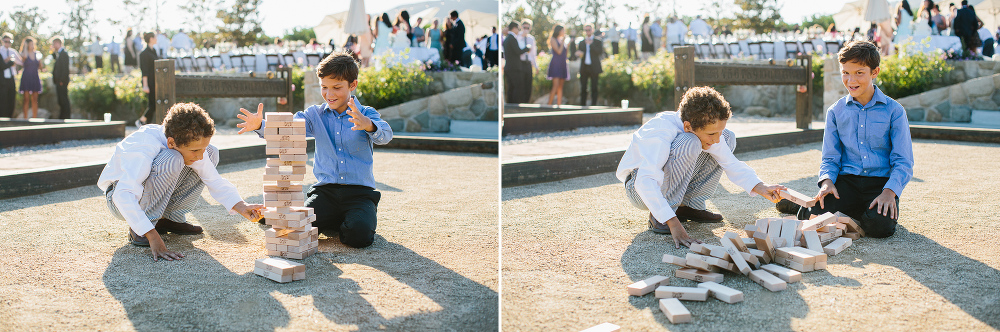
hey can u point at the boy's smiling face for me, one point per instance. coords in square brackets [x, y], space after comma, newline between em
[193, 151]
[336, 92]
[858, 79]
[708, 135]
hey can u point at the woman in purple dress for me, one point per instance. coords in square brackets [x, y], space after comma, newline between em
[31, 85]
[558, 70]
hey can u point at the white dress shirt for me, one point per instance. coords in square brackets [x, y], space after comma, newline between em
[532, 54]
[494, 43]
[649, 150]
[586, 53]
[130, 166]
[5, 55]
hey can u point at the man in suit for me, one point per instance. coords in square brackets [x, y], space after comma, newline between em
[965, 26]
[8, 92]
[147, 61]
[590, 51]
[458, 42]
[60, 76]
[492, 49]
[515, 69]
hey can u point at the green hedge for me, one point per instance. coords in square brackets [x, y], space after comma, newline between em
[102, 92]
[651, 80]
[385, 85]
[911, 73]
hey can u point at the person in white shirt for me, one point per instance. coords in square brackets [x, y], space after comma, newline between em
[114, 50]
[613, 35]
[156, 175]
[674, 162]
[492, 50]
[181, 41]
[162, 44]
[632, 37]
[529, 40]
[700, 28]
[97, 50]
[676, 30]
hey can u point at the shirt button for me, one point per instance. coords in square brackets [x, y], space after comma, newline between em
[862, 126]
[862, 142]
[343, 177]
[341, 161]
[338, 133]
[865, 157]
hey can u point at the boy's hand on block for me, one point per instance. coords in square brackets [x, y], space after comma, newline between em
[769, 191]
[249, 211]
[679, 234]
[886, 203]
[360, 121]
[252, 121]
[159, 249]
[825, 189]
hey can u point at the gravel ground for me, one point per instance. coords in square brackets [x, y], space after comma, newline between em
[571, 247]
[617, 130]
[433, 266]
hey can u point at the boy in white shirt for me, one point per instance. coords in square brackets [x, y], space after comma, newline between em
[675, 161]
[156, 176]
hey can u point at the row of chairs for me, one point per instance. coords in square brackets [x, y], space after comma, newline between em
[763, 50]
[244, 62]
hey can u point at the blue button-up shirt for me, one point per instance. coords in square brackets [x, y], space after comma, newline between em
[343, 156]
[868, 140]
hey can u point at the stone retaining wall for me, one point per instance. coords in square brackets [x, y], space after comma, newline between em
[477, 102]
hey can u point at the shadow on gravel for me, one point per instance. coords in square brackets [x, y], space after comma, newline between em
[546, 188]
[199, 293]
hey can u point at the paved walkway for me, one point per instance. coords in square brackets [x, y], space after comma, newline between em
[570, 247]
[67, 265]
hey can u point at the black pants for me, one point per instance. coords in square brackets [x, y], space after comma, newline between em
[592, 77]
[8, 97]
[614, 48]
[988, 48]
[856, 194]
[631, 51]
[526, 81]
[347, 209]
[151, 105]
[492, 58]
[512, 85]
[115, 66]
[62, 93]
[98, 61]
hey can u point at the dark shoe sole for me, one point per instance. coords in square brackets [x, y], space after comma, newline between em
[787, 207]
[657, 230]
[702, 221]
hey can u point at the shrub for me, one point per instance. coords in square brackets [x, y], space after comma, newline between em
[298, 80]
[93, 93]
[655, 78]
[385, 85]
[540, 82]
[817, 70]
[615, 83]
[909, 73]
[130, 98]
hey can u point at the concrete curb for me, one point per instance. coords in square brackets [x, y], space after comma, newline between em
[520, 123]
[24, 133]
[39, 181]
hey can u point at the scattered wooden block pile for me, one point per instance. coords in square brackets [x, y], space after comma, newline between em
[279, 270]
[292, 234]
[774, 252]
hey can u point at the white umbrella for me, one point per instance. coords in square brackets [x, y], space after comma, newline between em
[357, 20]
[426, 14]
[477, 24]
[851, 16]
[332, 27]
[877, 11]
[988, 11]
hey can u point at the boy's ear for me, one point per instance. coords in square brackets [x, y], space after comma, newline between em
[687, 127]
[876, 71]
[170, 143]
[353, 85]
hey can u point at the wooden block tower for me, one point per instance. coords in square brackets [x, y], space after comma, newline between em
[292, 234]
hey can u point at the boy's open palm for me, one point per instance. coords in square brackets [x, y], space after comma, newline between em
[251, 121]
[826, 189]
[360, 121]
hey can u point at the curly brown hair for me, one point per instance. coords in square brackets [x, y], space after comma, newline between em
[702, 106]
[187, 122]
[862, 51]
[339, 66]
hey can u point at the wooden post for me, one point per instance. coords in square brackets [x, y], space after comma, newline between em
[286, 73]
[164, 71]
[803, 101]
[683, 72]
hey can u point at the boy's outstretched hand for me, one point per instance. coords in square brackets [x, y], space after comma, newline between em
[250, 211]
[769, 191]
[252, 121]
[360, 121]
[827, 188]
[679, 234]
[159, 248]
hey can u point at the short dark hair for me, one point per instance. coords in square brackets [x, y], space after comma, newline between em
[187, 122]
[454, 14]
[55, 39]
[965, 2]
[862, 51]
[339, 66]
[513, 25]
[148, 35]
[702, 106]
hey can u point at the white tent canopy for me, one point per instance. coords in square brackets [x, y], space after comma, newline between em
[853, 14]
[334, 25]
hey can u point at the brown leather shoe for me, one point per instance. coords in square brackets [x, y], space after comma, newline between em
[701, 216]
[657, 227]
[136, 240]
[165, 225]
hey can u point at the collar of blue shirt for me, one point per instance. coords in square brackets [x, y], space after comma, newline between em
[878, 97]
[326, 107]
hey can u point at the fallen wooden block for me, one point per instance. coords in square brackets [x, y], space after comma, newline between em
[837, 246]
[750, 229]
[764, 244]
[819, 266]
[668, 258]
[646, 286]
[812, 240]
[790, 253]
[797, 198]
[749, 243]
[675, 311]
[736, 240]
[762, 225]
[741, 263]
[699, 248]
[682, 293]
[768, 280]
[851, 225]
[723, 293]
[694, 261]
[818, 256]
[699, 276]
[783, 273]
[789, 230]
[603, 327]
[272, 275]
[774, 229]
[818, 221]
[852, 235]
[797, 266]
[824, 236]
[761, 255]
[751, 260]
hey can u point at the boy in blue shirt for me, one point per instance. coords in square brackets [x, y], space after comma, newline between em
[344, 198]
[867, 152]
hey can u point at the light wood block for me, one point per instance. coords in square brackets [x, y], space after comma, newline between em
[818, 221]
[741, 263]
[824, 236]
[270, 131]
[789, 230]
[779, 243]
[764, 244]
[278, 144]
[749, 243]
[682, 293]
[291, 243]
[293, 157]
[272, 275]
[283, 203]
[723, 293]
[280, 151]
[717, 251]
[306, 210]
[850, 223]
[852, 235]
[750, 229]
[783, 273]
[812, 241]
[735, 240]
[292, 131]
[296, 123]
[819, 256]
[791, 254]
[291, 235]
[837, 246]
[278, 116]
[274, 187]
[762, 225]
[694, 261]
[275, 214]
[292, 255]
[774, 228]
[797, 198]
[299, 276]
[603, 327]
[675, 311]
[699, 248]
[819, 266]
[276, 265]
[284, 138]
[699, 276]
[647, 286]
[279, 162]
[284, 177]
[761, 255]
[768, 280]
[668, 258]
[751, 259]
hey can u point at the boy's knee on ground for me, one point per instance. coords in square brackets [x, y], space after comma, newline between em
[357, 233]
[876, 225]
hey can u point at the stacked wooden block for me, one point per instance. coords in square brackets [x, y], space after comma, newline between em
[291, 234]
[279, 270]
[775, 252]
